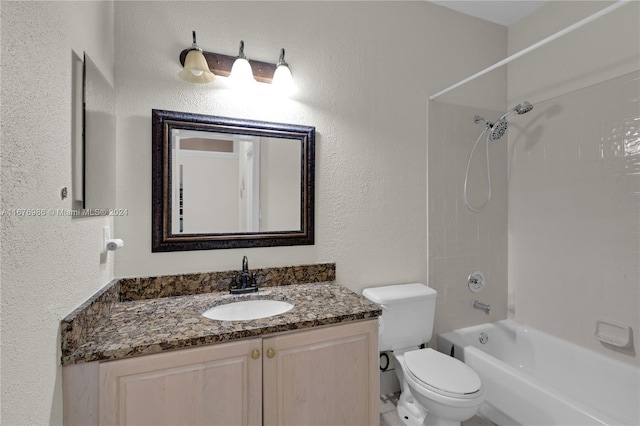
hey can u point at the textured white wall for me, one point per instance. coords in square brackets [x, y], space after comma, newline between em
[49, 264]
[573, 198]
[364, 70]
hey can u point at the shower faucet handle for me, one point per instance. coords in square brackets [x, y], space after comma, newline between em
[476, 281]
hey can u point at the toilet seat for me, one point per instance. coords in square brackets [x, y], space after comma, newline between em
[442, 374]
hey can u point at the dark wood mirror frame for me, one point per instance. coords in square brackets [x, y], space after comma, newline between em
[163, 240]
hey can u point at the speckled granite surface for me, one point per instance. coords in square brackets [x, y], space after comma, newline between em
[75, 328]
[181, 285]
[108, 329]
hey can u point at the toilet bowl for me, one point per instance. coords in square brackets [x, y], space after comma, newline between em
[436, 389]
[448, 390]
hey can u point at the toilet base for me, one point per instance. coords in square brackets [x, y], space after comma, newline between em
[410, 412]
[413, 414]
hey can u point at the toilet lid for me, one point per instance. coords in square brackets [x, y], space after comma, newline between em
[442, 372]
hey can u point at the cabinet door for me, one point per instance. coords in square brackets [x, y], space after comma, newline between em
[325, 376]
[211, 385]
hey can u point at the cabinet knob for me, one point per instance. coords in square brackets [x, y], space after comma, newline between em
[271, 353]
[255, 354]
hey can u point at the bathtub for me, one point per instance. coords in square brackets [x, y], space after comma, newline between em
[533, 378]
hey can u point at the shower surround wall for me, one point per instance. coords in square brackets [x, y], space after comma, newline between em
[461, 241]
[574, 214]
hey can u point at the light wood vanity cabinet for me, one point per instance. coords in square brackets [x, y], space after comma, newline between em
[218, 384]
[325, 376]
[321, 376]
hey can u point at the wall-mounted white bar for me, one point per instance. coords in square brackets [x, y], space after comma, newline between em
[534, 46]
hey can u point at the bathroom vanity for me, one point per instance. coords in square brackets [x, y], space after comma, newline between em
[159, 361]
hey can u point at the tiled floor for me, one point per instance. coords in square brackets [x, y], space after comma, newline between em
[389, 415]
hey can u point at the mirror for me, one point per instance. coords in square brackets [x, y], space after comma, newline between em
[230, 183]
[94, 148]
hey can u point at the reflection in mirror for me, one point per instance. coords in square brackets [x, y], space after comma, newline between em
[94, 146]
[229, 183]
[261, 190]
[77, 151]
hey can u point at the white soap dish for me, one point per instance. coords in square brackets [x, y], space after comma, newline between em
[613, 333]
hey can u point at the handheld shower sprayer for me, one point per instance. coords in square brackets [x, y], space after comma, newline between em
[523, 108]
[499, 128]
[496, 131]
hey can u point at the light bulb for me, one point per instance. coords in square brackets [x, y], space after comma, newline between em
[196, 69]
[241, 72]
[283, 80]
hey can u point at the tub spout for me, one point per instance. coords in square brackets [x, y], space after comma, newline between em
[482, 306]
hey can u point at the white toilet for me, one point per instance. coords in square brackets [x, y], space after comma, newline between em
[437, 390]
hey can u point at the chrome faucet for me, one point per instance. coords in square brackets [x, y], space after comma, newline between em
[245, 271]
[247, 282]
[482, 306]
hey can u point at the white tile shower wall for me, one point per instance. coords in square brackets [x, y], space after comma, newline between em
[574, 213]
[460, 240]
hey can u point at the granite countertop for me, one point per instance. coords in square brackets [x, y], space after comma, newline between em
[150, 326]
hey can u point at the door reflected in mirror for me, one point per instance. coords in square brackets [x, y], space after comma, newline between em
[231, 183]
[228, 183]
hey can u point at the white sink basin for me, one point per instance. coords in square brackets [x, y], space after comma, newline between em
[248, 310]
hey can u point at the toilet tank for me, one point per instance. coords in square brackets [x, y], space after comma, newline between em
[407, 314]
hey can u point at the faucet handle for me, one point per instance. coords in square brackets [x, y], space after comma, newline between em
[234, 281]
[252, 279]
[259, 278]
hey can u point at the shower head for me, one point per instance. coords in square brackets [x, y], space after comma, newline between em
[499, 128]
[496, 130]
[523, 108]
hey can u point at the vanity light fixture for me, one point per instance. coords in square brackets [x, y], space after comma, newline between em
[222, 65]
[282, 78]
[241, 72]
[196, 69]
